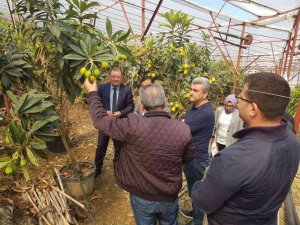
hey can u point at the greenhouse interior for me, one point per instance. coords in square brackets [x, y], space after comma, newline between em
[60, 164]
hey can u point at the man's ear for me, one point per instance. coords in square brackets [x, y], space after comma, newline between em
[205, 94]
[143, 108]
[255, 110]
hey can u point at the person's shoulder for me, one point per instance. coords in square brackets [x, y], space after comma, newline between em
[180, 124]
[104, 85]
[125, 87]
[220, 109]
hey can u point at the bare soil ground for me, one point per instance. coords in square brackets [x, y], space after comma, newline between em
[109, 204]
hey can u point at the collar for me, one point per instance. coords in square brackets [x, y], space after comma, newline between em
[201, 106]
[157, 113]
[112, 87]
[264, 132]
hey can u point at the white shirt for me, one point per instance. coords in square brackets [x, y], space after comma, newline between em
[224, 122]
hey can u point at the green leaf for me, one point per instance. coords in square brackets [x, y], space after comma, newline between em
[29, 104]
[84, 48]
[5, 159]
[37, 143]
[104, 57]
[20, 103]
[74, 57]
[55, 30]
[108, 28]
[31, 157]
[25, 173]
[77, 49]
[41, 153]
[37, 125]
[14, 132]
[124, 36]
[11, 96]
[40, 108]
[4, 164]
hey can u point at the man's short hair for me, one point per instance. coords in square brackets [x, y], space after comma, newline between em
[152, 97]
[116, 68]
[204, 82]
[146, 78]
[270, 92]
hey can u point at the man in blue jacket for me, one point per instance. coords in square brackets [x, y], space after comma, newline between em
[117, 100]
[247, 183]
[201, 120]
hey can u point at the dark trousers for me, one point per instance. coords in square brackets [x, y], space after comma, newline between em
[101, 149]
[193, 172]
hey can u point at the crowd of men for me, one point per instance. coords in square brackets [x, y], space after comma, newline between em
[245, 183]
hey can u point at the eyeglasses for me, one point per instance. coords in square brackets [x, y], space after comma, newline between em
[246, 100]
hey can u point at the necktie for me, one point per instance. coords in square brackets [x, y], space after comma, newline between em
[114, 103]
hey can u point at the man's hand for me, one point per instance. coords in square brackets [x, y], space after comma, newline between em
[117, 114]
[90, 86]
[110, 113]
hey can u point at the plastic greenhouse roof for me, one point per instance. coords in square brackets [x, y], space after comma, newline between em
[271, 23]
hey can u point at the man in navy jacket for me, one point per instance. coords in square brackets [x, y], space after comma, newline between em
[248, 181]
[117, 100]
[201, 120]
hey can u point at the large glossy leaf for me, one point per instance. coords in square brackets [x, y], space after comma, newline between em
[12, 97]
[25, 173]
[124, 36]
[40, 108]
[31, 157]
[14, 131]
[77, 49]
[5, 159]
[104, 57]
[108, 28]
[84, 48]
[41, 153]
[4, 164]
[74, 56]
[37, 143]
[55, 30]
[19, 104]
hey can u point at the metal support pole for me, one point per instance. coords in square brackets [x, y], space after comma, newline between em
[152, 18]
[218, 13]
[222, 53]
[247, 67]
[125, 15]
[143, 16]
[297, 118]
[286, 55]
[11, 16]
[219, 45]
[296, 30]
[128, 22]
[238, 60]
[274, 58]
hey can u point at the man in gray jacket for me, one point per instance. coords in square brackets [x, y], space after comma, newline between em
[154, 148]
[247, 183]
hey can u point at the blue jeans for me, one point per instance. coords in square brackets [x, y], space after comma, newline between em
[148, 212]
[194, 171]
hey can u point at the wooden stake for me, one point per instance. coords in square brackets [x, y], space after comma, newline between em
[70, 198]
[37, 209]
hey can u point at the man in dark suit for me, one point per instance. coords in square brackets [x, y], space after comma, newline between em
[117, 100]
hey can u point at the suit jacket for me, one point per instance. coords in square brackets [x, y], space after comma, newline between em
[235, 125]
[125, 100]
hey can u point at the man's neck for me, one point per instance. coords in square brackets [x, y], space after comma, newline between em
[266, 123]
[202, 102]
